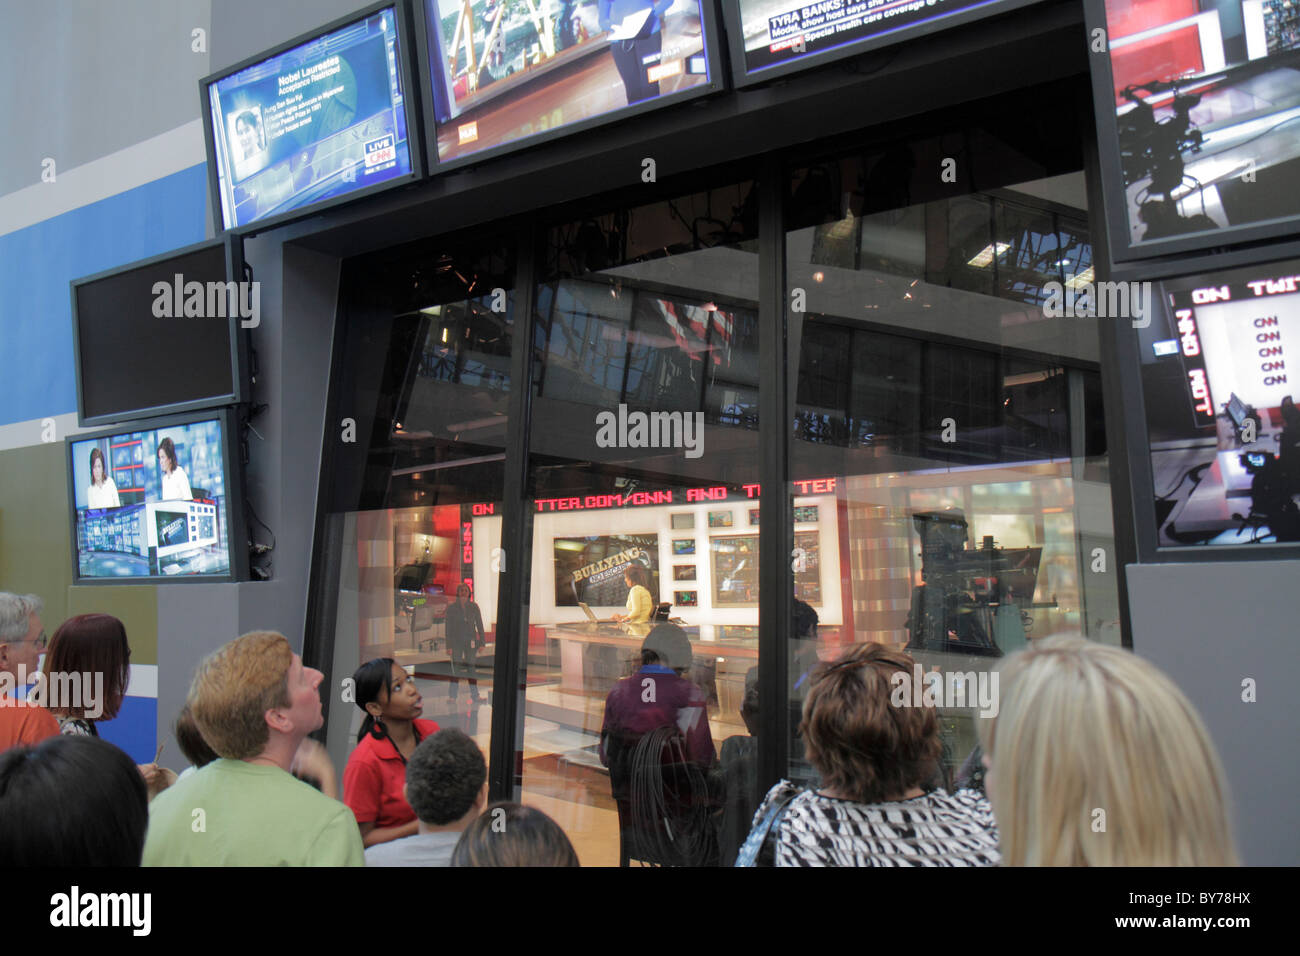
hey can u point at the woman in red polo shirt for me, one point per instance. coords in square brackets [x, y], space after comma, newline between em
[376, 773]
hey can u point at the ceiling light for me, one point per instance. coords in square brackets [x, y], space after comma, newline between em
[1083, 278]
[984, 258]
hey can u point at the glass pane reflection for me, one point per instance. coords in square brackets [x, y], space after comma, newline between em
[642, 623]
[953, 427]
[413, 504]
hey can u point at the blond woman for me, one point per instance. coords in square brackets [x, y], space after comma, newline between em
[1096, 758]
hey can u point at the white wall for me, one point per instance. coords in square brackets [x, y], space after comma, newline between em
[657, 520]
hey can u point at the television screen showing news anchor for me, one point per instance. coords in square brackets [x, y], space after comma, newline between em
[151, 502]
[316, 122]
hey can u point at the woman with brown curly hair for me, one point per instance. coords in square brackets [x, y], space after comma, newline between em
[874, 757]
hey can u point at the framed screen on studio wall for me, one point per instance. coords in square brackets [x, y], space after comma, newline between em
[499, 75]
[322, 119]
[1220, 430]
[1198, 121]
[771, 38]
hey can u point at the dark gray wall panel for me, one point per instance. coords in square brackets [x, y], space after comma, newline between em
[193, 621]
[293, 343]
[1210, 626]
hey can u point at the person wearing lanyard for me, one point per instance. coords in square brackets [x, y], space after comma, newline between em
[376, 772]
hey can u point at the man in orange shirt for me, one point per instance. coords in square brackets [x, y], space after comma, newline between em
[22, 638]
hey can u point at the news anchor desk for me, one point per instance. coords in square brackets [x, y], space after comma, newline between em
[626, 639]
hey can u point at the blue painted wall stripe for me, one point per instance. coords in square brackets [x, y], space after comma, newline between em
[135, 728]
[38, 262]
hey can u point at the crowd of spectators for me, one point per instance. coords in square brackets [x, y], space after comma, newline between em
[1080, 725]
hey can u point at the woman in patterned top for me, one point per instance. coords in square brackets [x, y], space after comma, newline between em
[874, 758]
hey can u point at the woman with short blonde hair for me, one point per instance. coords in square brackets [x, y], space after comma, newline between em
[1096, 758]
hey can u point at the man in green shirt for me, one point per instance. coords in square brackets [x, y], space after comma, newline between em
[254, 702]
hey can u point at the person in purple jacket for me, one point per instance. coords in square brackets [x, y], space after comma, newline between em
[656, 742]
[658, 696]
[636, 42]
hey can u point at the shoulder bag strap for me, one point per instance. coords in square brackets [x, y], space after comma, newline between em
[749, 850]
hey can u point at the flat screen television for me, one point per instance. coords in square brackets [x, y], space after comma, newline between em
[771, 38]
[1222, 430]
[1197, 105]
[499, 75]
[322, 119]
[162, 335]
[158, 500]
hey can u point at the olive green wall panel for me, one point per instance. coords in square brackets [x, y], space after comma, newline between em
[136, 606]
[35, 550]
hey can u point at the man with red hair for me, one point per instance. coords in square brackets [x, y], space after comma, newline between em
[254, 702]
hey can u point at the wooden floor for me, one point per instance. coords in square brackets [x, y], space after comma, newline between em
[577, 798]
[562, 775]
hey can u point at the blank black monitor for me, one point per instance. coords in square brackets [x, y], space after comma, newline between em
[162, 335]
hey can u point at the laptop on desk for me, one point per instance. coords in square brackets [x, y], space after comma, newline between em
[592, 620]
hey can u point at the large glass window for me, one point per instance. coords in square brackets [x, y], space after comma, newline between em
[946, 458]
[948, 476]
[413, 492]
[643, 618]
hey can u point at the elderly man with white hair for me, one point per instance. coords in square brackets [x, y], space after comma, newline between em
[22, 638]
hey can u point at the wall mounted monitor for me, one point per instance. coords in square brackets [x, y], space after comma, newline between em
[504, 74]
[162, 335]
[322, 119]
[1198, 118]
[160, 500]
[771, 38]
[1218, 366]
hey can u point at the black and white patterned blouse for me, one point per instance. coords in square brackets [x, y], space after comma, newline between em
[77, 727]
[934, 829]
